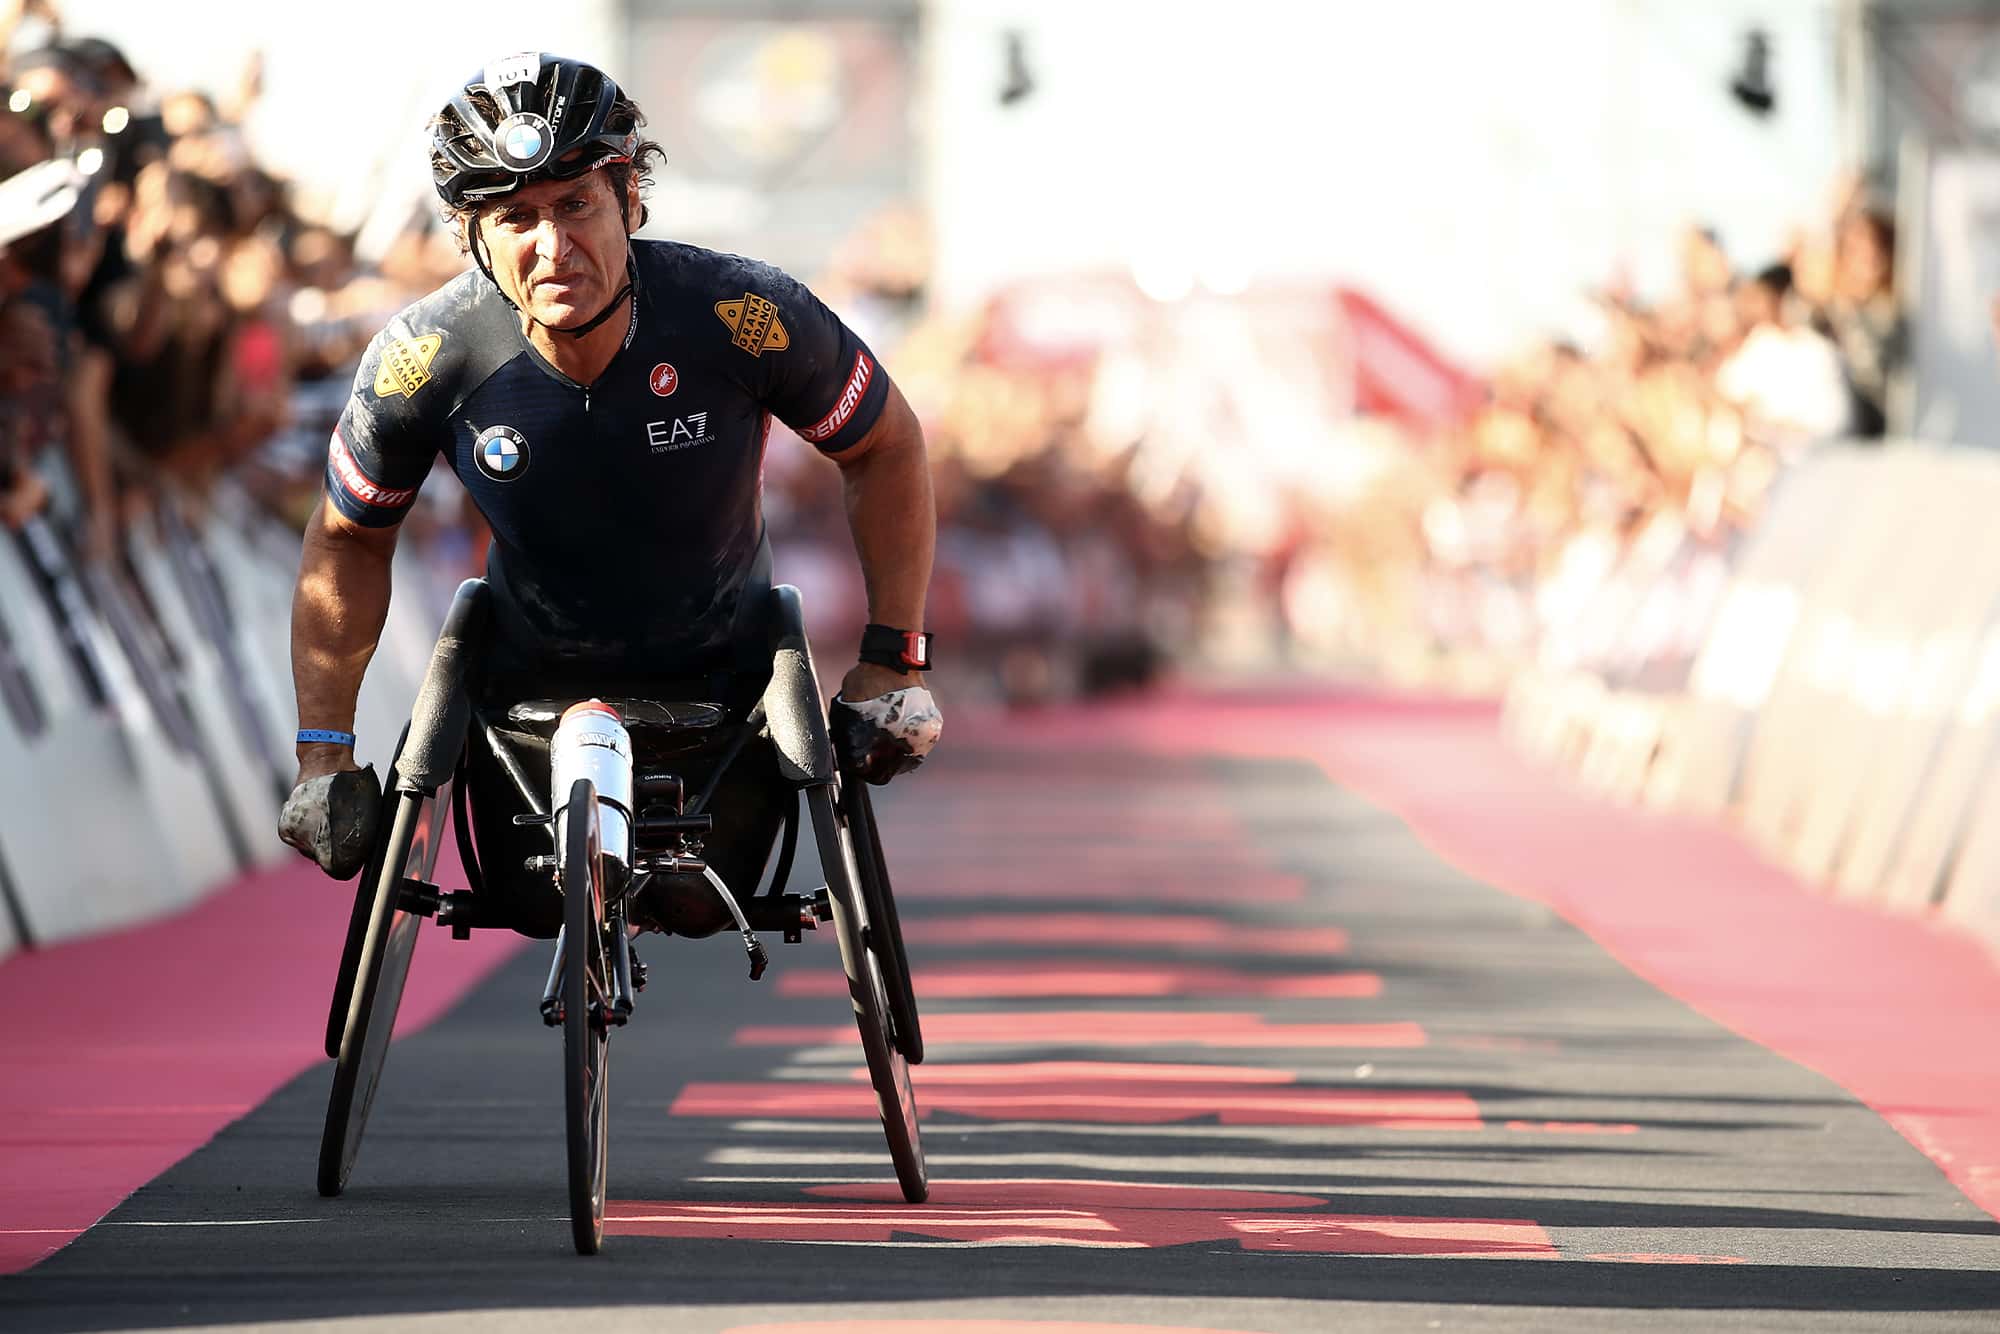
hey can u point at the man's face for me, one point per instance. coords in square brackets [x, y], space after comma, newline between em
[558, 248]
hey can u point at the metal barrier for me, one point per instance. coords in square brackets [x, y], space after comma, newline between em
[1844, 709]
[145, 721]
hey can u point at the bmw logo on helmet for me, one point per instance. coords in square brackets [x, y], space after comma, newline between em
[501, 453]
[524, 141]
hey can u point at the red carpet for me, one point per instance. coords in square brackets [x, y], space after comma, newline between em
[125, 1053]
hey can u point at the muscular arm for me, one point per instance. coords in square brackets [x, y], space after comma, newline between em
[338, 610]
[886, 476]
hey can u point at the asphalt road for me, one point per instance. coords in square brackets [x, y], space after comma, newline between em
[1215, 1045]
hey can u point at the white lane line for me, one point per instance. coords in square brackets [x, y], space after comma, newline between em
[209, 1222]
[129, 1222]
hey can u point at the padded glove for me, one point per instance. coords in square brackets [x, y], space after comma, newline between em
[332, 819]
[885, 736]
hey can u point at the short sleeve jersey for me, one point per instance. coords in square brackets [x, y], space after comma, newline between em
[626, 514]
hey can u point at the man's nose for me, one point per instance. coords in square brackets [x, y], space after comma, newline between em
[551, 242]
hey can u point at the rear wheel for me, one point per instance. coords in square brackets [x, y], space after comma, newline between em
[888, 1070]
[408, 849]
[586, 993]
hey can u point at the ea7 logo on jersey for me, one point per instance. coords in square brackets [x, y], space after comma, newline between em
[754, 322]
[685, 433]
[406, 365]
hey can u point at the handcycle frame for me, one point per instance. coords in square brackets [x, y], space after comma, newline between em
[591, 991]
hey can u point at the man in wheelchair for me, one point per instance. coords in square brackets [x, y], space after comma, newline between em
[606, 401]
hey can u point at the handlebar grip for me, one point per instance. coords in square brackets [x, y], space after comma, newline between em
[437, 723]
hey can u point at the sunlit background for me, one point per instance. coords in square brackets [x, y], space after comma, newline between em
[1464, 346]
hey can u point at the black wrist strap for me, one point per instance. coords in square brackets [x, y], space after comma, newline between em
[902, 650]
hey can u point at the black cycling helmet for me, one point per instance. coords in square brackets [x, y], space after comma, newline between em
[530, 117]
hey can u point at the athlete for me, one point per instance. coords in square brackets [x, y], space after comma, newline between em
[606, 402]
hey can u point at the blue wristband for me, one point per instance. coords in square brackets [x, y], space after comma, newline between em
[316, 734]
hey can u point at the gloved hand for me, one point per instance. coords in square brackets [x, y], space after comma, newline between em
[332, 819]
[887, 735]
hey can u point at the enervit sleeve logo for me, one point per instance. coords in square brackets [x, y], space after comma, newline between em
[406, 365]
[355, 482]
[754, 322]
[850, 399]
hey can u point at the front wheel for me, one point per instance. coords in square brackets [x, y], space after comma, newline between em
[381, 964]
[586, 994]
[888, 1070]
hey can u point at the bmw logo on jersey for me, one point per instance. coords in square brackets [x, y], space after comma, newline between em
[501, 453]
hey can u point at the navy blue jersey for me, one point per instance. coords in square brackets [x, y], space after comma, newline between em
[627, 518]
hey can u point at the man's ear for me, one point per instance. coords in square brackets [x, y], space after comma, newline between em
[635, 210]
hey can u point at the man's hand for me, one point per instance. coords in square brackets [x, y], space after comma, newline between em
[884, 722]
[332, 812]
[867, 680]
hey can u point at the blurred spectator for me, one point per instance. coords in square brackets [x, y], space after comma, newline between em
[1589, 478]
[1864, 316]
[1785, 375]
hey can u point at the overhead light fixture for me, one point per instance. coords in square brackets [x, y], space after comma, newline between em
[1752, 87]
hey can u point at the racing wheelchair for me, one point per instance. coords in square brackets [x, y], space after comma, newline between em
[617, 820]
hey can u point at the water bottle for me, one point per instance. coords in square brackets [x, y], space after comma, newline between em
[591, 742]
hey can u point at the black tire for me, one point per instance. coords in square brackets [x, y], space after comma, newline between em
[408, 850]
[586, 992]
[888, 1069]
[885, 929]
[363, 912]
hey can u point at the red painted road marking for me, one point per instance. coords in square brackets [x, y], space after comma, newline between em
[1017, 1073]
[1102, 1102]
[1105, 1028]
[1044, 977]
[1114, 929]
[1086, 1213]
[140, 1072]
[986, 885]
[1575, 1127]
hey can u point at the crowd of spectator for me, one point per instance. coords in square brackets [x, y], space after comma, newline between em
[1597, 480]
[155, 325]
[1153, 480]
